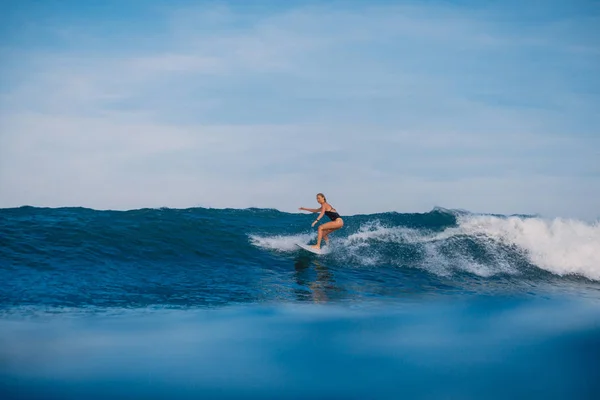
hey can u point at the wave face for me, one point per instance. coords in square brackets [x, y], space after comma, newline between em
[77, 257]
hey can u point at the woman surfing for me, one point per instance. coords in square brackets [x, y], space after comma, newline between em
[325, 229]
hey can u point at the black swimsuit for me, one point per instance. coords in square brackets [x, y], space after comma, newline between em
[333, 215]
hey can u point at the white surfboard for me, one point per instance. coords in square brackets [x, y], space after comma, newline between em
[311, 249]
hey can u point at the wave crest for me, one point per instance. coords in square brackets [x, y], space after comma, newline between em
[560, 246]
[483, 245]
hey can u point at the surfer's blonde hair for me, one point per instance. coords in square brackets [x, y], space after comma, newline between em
[322, 195]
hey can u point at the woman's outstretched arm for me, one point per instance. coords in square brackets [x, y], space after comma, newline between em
[314, 210]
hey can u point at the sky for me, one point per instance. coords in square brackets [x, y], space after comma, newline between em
[383, 106]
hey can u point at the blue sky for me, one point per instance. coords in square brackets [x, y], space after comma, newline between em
[383, 106]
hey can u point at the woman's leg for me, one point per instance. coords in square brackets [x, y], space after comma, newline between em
[326, 233]
[328, 227]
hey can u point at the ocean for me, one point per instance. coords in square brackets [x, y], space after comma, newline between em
[221, 303]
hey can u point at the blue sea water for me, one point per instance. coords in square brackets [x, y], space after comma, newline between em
[220, 303]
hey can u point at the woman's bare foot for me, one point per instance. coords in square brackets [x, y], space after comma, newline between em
[314, 246]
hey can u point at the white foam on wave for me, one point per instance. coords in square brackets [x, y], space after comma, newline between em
[356, 246]
[438, 255]
[284, 243]
[560, 246]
